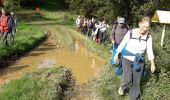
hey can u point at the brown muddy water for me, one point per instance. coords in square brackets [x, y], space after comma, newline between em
[83, 64]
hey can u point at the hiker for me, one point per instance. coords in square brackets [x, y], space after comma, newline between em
[117, 34]
[84, 25]
[12, 23]
[134, 44]
[78, 22]
[4, 26]
[90, 27]
[103, 26]
[95, 31]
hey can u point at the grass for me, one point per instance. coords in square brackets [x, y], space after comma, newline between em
[45, 84]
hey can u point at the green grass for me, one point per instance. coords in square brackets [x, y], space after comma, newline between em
[45, 84]
[65, 38]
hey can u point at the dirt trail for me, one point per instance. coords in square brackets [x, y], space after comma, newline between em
[51, 53]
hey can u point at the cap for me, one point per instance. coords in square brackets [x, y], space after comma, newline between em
[121, 20]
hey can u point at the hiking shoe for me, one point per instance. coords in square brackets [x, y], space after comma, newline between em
[120, 91]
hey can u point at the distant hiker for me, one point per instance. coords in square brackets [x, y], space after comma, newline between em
[90, 27]
[12, 24]
[103, 26]
[117, 34]
[84, 25]
[95, 31]
[37, 9]
[78, 23]
[4, 26]
[135, 43]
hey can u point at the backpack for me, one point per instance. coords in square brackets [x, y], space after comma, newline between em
[147, 37]
[4, 20]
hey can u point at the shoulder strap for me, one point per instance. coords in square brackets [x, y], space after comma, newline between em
[147, 37]
[114, 29]
[130, 33]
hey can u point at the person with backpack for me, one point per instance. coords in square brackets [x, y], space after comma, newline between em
[103, 26]
[12, 23]
[134, 45]
[4, 26]
[117, 34]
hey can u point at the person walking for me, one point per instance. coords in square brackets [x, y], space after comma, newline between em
[78, 22]
[134, 44]
[4, 26]
[117, 34]
[103, 26]
[12, 24]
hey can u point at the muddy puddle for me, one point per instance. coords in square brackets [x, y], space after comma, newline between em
[83, 64]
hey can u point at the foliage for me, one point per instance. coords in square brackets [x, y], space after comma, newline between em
[109, 9]
[11, 4]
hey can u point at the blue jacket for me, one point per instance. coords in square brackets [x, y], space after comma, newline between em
[138, 59]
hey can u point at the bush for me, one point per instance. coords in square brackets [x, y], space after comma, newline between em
[11, 4]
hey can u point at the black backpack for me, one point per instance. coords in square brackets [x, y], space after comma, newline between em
[147, 37]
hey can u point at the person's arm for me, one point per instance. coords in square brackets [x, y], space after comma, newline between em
[122, 45]
[150, 53]
[112, 34]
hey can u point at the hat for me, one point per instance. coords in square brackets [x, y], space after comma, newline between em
[121, 20]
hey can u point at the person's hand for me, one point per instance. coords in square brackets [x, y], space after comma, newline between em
[153, 68]
[116, 58]
[113, 41]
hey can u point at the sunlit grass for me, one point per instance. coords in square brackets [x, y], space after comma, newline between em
[44, 84]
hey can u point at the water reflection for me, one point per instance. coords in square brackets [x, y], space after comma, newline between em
[83, 64]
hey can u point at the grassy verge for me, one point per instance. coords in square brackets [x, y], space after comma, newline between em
[26, 38]
[45, 84]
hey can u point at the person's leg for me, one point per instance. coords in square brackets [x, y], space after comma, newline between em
[2, 33]
[135, 89]
[103, 37]
[4, 38]
[100, 36]
[127, 73]
[11, 38]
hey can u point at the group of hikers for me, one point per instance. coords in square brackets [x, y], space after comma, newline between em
[95, 29]
[129, 46]
[8, 25]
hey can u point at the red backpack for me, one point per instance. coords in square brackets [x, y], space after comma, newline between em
[4, 23]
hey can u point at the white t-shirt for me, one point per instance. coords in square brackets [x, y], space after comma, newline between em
[136, 46]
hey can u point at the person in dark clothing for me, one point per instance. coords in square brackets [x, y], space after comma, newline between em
[117, 34]
[12, 26]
